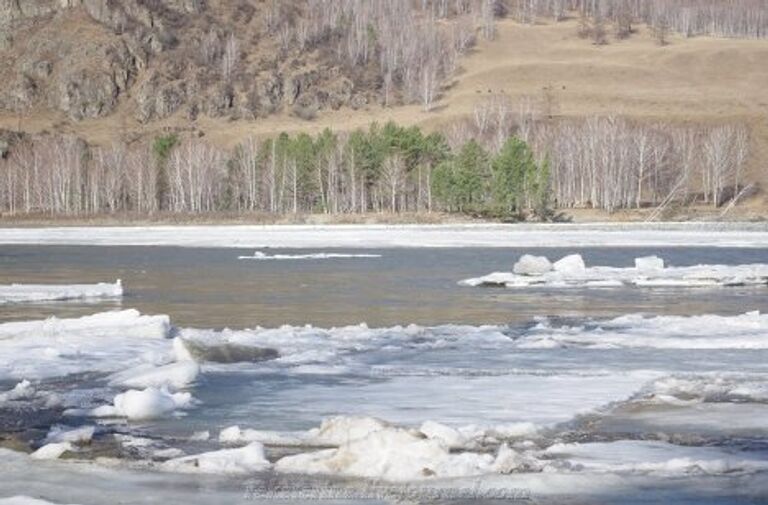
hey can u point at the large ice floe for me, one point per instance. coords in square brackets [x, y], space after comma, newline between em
[650, 272]
[258, 255]
[104, 342]
[24, 293]
[133, 352]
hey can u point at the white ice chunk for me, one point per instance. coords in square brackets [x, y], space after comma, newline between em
[342, 429]
[243, 460]
[52, 451]
[509, 460]
[24, 390]
[532, 265]
[335, 431]
[450, 437]
[19, 293]
[649, 264]
[180, 351]
[572, 264]
[149, 403]
[392, 454]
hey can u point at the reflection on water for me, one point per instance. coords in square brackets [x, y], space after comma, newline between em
[212, 288]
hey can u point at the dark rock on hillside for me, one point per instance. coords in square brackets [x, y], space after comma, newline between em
[84, 58]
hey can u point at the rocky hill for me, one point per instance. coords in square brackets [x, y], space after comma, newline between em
[232, 59]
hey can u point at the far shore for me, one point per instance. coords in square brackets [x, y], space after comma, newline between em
[746, 214]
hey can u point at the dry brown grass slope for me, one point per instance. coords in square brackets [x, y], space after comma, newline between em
[698, 79]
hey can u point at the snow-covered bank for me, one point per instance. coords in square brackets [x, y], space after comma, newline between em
[21, 293]
[379, 236]
[570, 271]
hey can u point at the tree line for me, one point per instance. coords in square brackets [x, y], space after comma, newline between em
[508, 160]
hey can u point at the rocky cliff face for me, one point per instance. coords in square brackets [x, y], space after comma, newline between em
[157, 58]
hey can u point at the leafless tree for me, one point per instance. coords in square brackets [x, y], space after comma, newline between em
[230, 57]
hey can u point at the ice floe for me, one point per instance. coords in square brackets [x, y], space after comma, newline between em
[361, 446]
[21, 293]
[650, 271]
[104, 342]
[258, 255]
[745, 331]
[304, 345]
[629, 456]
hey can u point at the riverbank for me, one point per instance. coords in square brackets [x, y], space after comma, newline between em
[749, 212]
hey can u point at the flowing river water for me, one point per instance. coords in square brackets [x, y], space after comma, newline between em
[606, 394]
